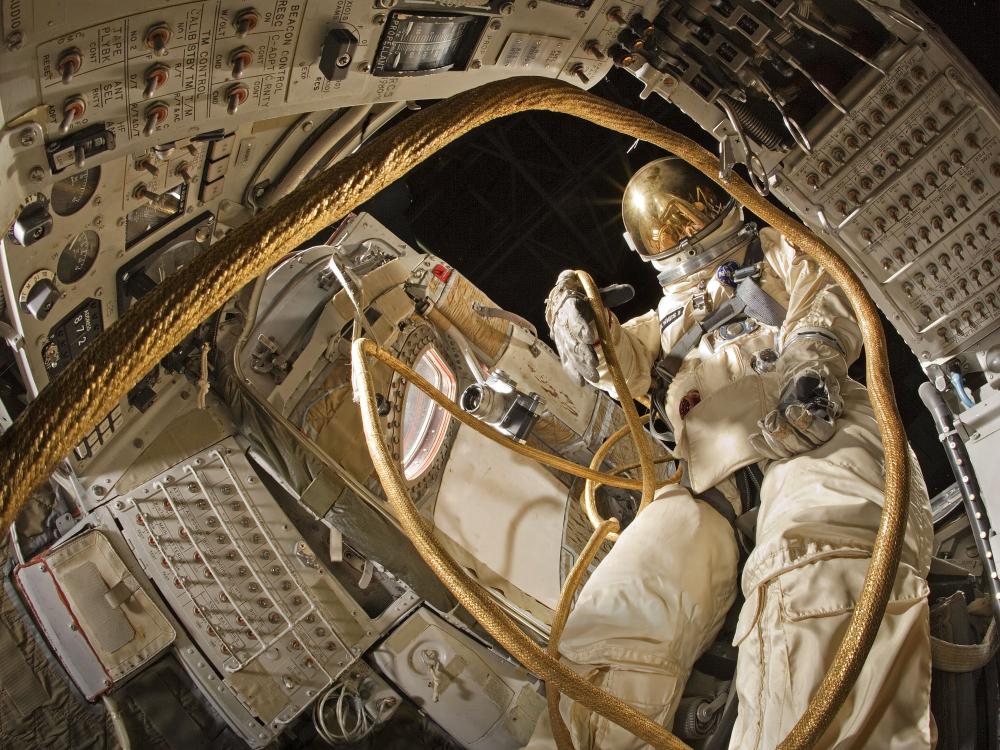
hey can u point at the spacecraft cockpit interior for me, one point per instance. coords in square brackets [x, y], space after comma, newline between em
[276, 473]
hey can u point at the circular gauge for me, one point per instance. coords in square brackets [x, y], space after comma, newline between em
[71, 194]
[78, 256]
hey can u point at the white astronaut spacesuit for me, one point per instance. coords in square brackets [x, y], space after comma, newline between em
[747, 392]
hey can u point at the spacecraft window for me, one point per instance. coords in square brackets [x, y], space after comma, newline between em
[425, 424]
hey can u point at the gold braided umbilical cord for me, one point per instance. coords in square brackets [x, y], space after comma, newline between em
[622, 389]
[97, 379]
[604, 530]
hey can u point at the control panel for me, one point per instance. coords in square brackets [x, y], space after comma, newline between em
[160, 72]
[248, 589]
[910, 181]
[892, 154]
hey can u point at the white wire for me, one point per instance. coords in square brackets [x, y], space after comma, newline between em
[347, 698]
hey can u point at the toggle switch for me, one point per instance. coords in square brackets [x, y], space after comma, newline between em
[149, 165]
[155, 77]
[593, 47]
[157, 37]
[155, 114]
[615, 14]
[69, 64]
[184, 170]
[73, 109]
[240, 59]
[577, 70]
[235, 97]
[246, 21]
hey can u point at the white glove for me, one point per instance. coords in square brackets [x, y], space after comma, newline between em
[570, 316]
[810, 371]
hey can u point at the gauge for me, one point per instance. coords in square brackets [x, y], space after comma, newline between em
[73, 193]
[77, 257]
[421, 43]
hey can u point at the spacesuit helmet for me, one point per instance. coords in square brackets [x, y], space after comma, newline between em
[671, 209]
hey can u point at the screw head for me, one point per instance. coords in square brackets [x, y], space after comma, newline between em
[364, 67]
[379, 19]
[27, 137]
[343, 61]
[476, 64]
[507, 8]
[14, 41]
[495, 24]
[37, 174]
